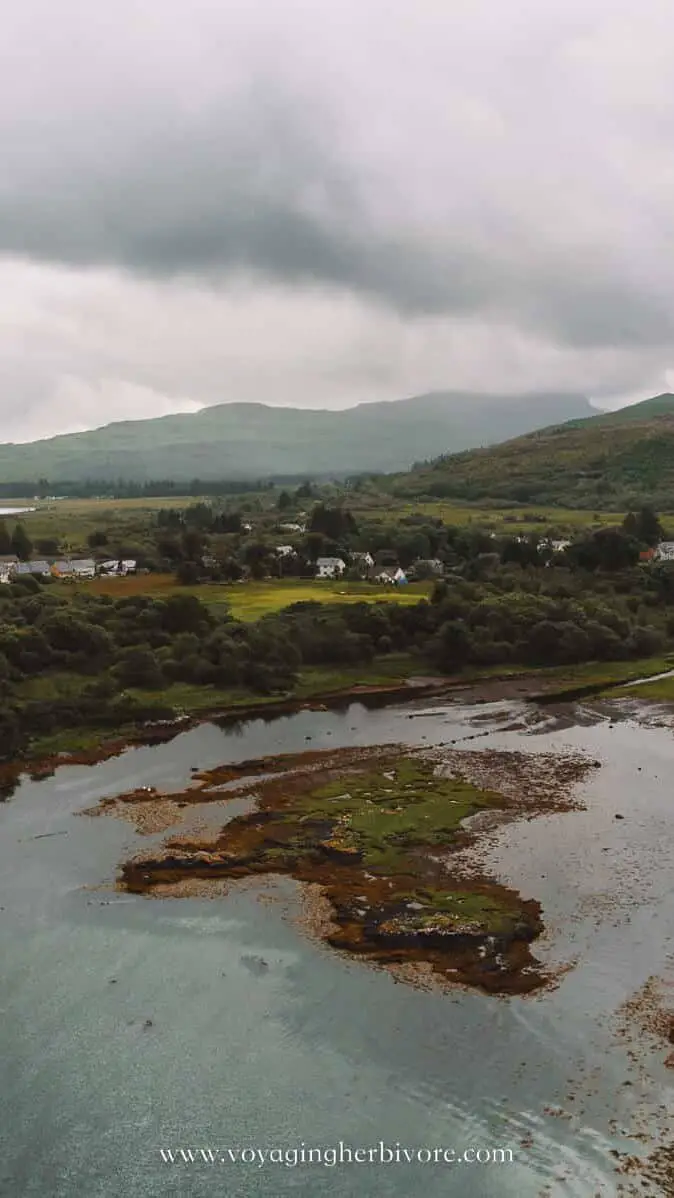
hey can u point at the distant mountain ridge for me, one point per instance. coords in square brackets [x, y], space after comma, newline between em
[250, 441]
[611, 460]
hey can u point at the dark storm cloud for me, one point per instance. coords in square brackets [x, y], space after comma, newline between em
[205, 154]
[254, 191]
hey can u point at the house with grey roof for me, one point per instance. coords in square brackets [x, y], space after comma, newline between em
[38, 569]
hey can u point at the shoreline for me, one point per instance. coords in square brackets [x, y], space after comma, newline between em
[527, 686]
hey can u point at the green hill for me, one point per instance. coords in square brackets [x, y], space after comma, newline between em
[250, 441]
[611, 461]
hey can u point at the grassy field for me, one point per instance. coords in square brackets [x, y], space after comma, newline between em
[74, 518]
[251, 600]
[504, 520]
[70, 521]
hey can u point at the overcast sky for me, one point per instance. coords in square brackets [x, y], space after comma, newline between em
[317, 204]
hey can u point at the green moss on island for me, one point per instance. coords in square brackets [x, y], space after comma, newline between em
[375, 829]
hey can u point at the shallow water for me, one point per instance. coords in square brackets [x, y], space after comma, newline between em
[260, 1038]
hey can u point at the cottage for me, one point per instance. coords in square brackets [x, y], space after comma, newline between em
[559, 546]
[362, 564]
[285, 551]
[128, 565]
[330, 567]
[39, 569]
[77, 568]
[84, 567]
[292, 528]
[665, 551]
[392, 577]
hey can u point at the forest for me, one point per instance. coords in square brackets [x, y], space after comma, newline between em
[86, 660]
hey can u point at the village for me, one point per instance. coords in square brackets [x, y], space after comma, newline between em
[67, 569]
[361, 566]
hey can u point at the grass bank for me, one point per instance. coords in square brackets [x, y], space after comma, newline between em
[320, 682]
[192, 700]
[661, 690]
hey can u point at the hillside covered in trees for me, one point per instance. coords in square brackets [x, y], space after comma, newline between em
[612, 461]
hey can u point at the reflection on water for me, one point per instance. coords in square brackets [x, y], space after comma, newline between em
[129, 1024]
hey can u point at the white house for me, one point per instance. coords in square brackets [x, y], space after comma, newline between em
[84, 567]
[363, 559]
[128, 565]
[558, 546]
[330, 567]
[292, 528]
[285, 551]
[391, 576]
[665, 551]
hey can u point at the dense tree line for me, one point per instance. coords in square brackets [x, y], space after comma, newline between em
[121, 488]
[123, 655]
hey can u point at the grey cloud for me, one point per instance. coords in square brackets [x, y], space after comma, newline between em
[468, 170]
[319, 204]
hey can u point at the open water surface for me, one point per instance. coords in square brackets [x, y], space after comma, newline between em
[130, 1024]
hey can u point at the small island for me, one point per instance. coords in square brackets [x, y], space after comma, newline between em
[379, 832]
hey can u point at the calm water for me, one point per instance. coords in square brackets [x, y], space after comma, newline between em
[259, 1038]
